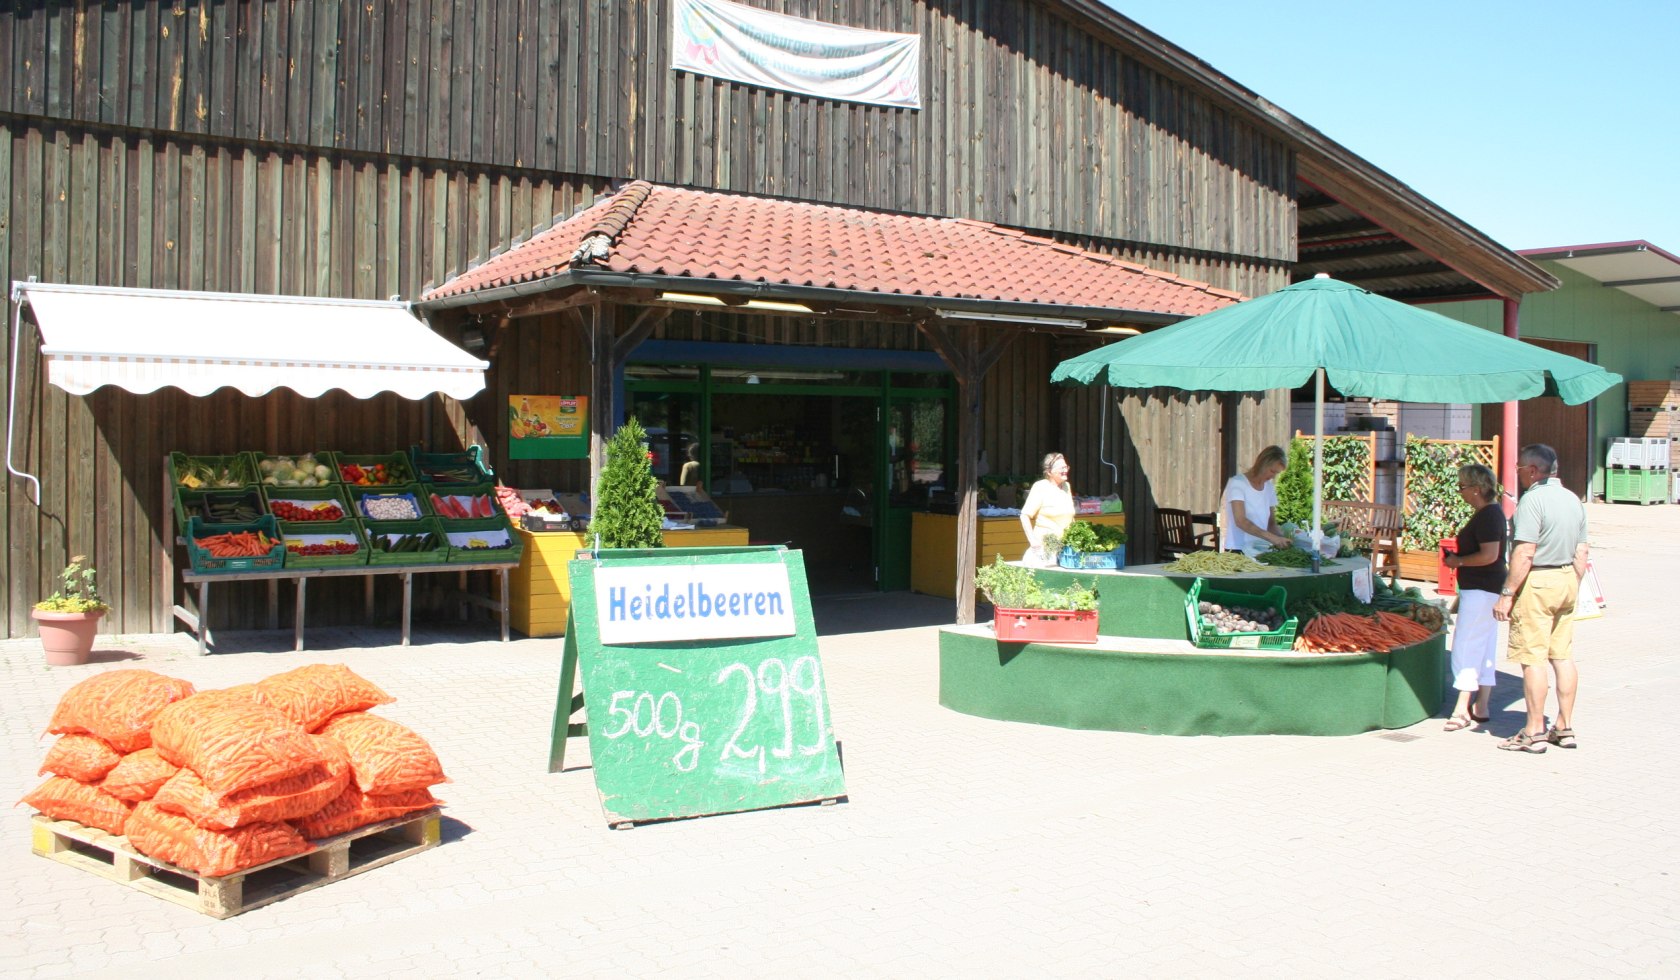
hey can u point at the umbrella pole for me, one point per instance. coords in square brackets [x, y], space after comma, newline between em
[1318, 467]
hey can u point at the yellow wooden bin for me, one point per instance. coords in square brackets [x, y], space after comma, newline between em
[538, 594]
[933, 547]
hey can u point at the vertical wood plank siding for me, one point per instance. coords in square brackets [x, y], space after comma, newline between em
[80, 206]
[323, 147]
[1028, 121]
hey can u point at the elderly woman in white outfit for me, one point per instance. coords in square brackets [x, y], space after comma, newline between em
[1249, 505]
[1048, 510]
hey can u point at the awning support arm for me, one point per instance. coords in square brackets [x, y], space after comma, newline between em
[11, 405]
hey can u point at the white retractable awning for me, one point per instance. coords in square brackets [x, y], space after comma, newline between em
[146, 339]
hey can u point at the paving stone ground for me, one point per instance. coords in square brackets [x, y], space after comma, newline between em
[967, 847]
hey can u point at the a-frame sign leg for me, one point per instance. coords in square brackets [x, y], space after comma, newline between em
[566, 705]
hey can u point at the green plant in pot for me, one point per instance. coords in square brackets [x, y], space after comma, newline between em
[69, 618]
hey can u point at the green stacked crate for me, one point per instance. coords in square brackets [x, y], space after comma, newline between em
[241, 506]
[467, 467]
[1636, 486]
[482, 539]
[374, 469]
[290, 472]
[462, 502]
[1275, 598]
[204, 563]
[289, 505]
[342, 542]
[420, 542]
[212, 472]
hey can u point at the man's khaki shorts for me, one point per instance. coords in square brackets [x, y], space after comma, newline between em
[1543, 617]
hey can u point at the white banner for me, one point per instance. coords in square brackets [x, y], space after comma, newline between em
[651, 604]
[758, 47]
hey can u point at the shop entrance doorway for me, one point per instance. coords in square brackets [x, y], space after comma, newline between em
[831, 462]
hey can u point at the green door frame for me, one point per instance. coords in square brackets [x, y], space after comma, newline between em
[887, 538]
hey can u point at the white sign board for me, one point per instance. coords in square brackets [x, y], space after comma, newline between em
[653, 604]
[771, 50]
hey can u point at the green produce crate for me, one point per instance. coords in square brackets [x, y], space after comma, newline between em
[306, 497]
[492, 529]
[1282, 638]
[397, 467]
[378, 531]
[242, 506]
[225, 472]
[311, 533]
[1636, 486]
[359, 497]
[461, 493]
[269, 469]
[451, 468]
[205, 563]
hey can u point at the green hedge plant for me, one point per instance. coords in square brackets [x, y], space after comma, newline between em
[1434, 508]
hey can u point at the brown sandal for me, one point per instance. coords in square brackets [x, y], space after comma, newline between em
[1524, 742]
[1563, 738]
[1458, 723]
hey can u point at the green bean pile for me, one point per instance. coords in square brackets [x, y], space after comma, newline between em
[1214, 563]
[1290, 557]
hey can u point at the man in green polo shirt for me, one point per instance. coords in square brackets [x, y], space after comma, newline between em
[1548, 561]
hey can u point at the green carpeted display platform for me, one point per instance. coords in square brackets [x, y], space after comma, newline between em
[1168, 687]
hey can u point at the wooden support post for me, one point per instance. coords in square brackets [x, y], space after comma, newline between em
[969, 359]
[603, 320]
[1507, 457]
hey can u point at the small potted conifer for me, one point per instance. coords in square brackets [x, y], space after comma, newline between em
[69, 618]
[627, 512]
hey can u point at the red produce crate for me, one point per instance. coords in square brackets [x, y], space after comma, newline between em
[1045, 625]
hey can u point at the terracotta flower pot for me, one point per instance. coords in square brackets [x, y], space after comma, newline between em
[67, 637]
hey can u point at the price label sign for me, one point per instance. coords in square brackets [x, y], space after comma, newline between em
[701, 680]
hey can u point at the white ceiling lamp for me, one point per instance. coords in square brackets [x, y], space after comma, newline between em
[1020, 319]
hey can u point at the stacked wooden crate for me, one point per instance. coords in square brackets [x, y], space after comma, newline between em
[1654, 413]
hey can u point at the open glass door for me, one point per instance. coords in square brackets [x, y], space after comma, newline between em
[919, 464]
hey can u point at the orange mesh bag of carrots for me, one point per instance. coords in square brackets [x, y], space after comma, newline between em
[284, 799]
[156, 832]
[354, 808]
[84, 758]
[384, 756]
[232, 742]
[1351, 633]
[310, 695]
[63, 798]
[118, 706]
[138, 776]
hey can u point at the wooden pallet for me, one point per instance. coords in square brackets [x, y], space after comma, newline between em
[333, 858]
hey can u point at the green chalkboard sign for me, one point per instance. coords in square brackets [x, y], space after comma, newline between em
[701, 682]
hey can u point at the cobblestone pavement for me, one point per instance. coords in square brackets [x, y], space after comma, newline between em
[967, 847]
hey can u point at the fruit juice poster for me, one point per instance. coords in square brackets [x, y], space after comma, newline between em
[548, 427]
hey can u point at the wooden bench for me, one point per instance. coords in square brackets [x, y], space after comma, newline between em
[1372, 528]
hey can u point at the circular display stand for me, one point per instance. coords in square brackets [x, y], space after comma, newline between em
[1143, 674]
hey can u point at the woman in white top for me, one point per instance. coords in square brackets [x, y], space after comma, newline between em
[1250, 502]
[1048, 510]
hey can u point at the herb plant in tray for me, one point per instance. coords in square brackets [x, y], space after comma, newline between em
[1024, 610]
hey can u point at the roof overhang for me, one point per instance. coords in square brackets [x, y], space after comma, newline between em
[1638, 268]
[145, 339]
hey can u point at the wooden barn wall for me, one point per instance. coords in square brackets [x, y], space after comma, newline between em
[118, 209]
[1027, 121]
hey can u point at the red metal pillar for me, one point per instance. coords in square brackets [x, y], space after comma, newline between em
[1508, 429]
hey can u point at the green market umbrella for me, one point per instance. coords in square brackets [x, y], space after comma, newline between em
[1367, 345]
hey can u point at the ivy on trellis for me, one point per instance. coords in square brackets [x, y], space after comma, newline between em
[1434, 509]
[1347, 475]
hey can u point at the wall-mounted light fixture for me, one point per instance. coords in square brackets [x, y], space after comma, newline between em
[1116, 330]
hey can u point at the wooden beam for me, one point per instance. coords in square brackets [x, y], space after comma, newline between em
[640, 330]
[962, 349]
[603, 324]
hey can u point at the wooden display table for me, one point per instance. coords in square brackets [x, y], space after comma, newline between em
[933, 547]
[197, 622]
[540, 596]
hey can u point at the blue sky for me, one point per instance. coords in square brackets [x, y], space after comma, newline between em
[1541, 123]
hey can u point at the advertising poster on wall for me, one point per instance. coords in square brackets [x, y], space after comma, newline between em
[548, 427]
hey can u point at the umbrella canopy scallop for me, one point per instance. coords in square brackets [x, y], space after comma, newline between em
[1368, 345]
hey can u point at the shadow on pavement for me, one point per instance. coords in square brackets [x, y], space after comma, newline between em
[868, 612]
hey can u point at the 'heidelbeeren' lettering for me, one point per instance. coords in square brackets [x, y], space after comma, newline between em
[693, 603]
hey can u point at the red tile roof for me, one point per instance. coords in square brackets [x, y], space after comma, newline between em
[653, 229]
